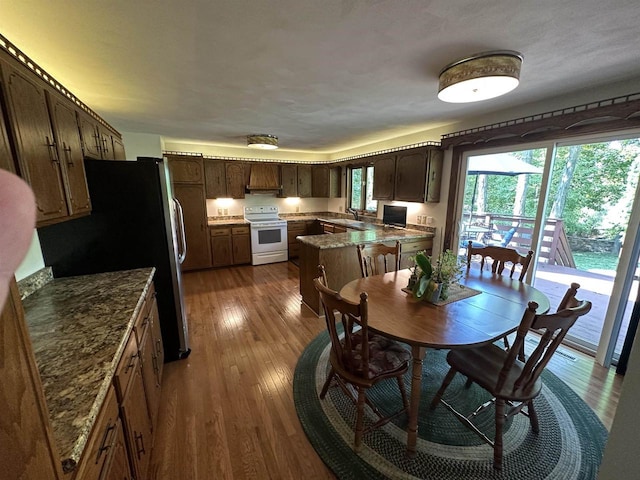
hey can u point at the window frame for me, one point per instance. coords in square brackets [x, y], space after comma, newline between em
[363, 188]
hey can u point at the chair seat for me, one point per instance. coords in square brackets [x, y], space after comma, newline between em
[483, 365]
[385, 355]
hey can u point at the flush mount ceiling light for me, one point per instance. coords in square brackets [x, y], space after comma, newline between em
[263, 141]
[480, 77]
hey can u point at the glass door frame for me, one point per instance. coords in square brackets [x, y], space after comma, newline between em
[630, 250]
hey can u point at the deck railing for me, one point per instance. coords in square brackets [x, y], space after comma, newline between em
[555, 249]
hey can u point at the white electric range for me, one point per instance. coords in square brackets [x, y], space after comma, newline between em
[268, 235]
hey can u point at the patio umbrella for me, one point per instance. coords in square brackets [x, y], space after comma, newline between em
[498, 164]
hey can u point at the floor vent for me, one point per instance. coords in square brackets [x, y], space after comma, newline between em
[559, 351]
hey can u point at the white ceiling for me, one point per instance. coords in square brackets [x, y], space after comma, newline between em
[322, 75]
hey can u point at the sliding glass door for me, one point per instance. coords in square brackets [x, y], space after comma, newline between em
[572, 204]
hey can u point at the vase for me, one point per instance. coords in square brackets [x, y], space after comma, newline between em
[435, 296]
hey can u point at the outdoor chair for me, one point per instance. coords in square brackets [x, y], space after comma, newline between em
[360, 359]
[513, 382]
[374, 259]
[501, 256]
[502, 240]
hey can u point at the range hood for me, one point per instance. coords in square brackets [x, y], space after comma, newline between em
[264, 178]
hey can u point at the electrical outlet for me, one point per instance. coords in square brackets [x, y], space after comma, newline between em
[226, 211]
[297, 209]
[419, 219]
[340, 208]
[429, 220]
[219, 211]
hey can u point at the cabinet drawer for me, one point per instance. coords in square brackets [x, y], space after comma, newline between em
[144, 316]
[101, 441]
[126, 367]
[296, 227]
[220, 232]
[417, 245]
[240, 231]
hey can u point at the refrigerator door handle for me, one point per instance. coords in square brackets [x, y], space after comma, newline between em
[182, 238]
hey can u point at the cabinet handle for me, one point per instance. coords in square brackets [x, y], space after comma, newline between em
[67, 154]
[131, 362]
[53, 154]
[103, 445]
[139, 449]
[154, 361]
[158, 347]
[105, 149]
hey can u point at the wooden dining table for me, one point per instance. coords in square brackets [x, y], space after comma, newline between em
[472, 321]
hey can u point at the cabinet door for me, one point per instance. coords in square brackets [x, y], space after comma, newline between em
[289, 180]
[35, 146]
[335, 182]
[67, 135]
[194, 208]
[149, 377]
[221, 247]
[236, 179]
[320, 181]
[304, 181]
[137, 425]
[156, 334]
[241, 244]
[411, 175]
[434, 180]
[186, 170]
[6, 158]
[118, 148]
[106, 144]
[118, 467]
[214, 179]
[90, 137]
[383, 177]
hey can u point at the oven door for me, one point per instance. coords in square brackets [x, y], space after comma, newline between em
[265, 239]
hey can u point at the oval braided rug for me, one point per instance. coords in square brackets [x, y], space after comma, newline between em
[569, 445]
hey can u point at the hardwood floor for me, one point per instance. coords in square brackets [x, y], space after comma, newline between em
[227, 411]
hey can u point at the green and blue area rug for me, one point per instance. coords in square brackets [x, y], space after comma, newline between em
[569, 445]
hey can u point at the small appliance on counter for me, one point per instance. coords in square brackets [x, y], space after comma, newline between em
[268, 235]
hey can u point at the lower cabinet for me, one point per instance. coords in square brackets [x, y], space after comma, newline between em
[152, 358]
[230, 245]
[409, 248]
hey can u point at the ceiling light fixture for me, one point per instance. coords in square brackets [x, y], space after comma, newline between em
[263, 141]
[480, 77]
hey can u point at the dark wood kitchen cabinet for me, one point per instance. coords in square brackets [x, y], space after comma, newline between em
[320, 181]
[215, 182]
[37, 155]
[335, 182]
[236, 176]
[69, 144]
[289, 177]
[194, 208]
[221, 247]
[241, 245]
[186, 169]
[411, 175]
[89, 135]
[305, 182]
[434, 174]
[6, 157]
[384, 172]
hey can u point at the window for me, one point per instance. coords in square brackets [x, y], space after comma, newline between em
[361, 188]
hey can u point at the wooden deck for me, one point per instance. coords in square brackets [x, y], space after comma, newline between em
[553, 281]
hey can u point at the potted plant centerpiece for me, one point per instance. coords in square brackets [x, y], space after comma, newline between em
[432, 280]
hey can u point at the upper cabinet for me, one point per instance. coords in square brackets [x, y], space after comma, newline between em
[237, 174]
[47, 135]
[304, 181]
[384, 168]
[411, 171]
[214, 179]
[335, 182]
[187, 169]
[289, 177]
[412, 175]
[320, 181]
[67, 139]
[37, 155]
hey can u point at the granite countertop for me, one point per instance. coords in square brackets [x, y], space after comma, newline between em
[373, 233]
[79, 327]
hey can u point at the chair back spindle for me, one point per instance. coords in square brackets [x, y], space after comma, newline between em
[375, 259]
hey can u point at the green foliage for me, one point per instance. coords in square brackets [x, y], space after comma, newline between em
[446, 270]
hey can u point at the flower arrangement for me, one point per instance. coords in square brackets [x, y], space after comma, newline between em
[428, 277]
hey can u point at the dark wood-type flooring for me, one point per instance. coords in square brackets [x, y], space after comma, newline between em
[227, 411]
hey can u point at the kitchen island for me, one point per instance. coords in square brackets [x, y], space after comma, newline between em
[338, 253]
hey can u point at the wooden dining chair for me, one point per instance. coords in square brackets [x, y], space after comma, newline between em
[512, 382]
[373, 257]
[359, 359]
[500, 256]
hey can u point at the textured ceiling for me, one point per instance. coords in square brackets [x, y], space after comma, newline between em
[321, 75]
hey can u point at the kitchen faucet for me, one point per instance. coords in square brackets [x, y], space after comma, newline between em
[354, 211]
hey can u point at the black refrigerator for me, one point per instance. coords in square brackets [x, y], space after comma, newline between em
[135, 222]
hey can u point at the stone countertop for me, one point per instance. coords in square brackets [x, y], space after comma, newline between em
[226, 222]
[79, 327]
[373, 233]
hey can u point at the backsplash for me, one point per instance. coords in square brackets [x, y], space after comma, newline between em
[34, 282]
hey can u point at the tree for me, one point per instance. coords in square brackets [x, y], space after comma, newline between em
[565, 181]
